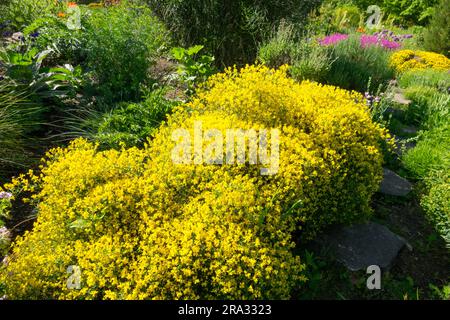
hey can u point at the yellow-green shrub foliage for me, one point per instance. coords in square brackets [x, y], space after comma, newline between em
[404, 60]
[140, 226]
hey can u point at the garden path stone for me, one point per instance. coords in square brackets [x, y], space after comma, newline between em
[363, 245]
[410, 130]
[394, 185]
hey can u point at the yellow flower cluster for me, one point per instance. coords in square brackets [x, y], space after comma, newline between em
[404, 60]
[140, 226]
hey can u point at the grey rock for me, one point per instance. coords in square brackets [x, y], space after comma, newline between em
[410, 130]
[363, 245]
[400, 98]
[17, 37]
[394, 185]
[402, 146]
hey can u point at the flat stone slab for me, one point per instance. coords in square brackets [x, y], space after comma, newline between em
[363, 245]
[394, 185]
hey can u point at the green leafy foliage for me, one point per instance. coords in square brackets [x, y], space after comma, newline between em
[17, 118]
[21, 13]
[281, 48]
[308, 60]
[429, 107]
[313, 63]
[193, 68]
[355, 65]
[437, 34]
[230, 30]
[336, 16]
[430, 154]
[409, 12]
[127, 124]
[52, 31]
[438, 79]
[402, 12]
[437, 202]
[122, 43]
[45, 82]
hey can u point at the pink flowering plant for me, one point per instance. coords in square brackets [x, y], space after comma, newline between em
[333, 39]
[377, 40]
[386, 39]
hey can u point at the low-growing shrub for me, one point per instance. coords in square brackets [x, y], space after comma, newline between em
[429, 108]
[313, 63]
[354, 65]
[308, 60]
[430, 154]
[404, 60]
[281, 48]
[438, 79]
[122, 43]
[436, 202]
[126, 124]
[141, 225]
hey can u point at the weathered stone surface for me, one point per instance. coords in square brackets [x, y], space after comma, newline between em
[363, 245]
[400, 98]
[394, 185]
[403, 145]
[409, 130]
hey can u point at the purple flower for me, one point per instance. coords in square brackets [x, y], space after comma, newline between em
[368, 40]
[333, 39]
[390, 44]
[35, 34]
[5, 195]
[407, 36]
[7, 34]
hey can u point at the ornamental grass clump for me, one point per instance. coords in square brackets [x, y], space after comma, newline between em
[140, 226]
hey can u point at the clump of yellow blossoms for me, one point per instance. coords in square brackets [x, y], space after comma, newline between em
[404, 60]
[140, 226]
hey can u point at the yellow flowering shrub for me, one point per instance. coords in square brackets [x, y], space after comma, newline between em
[404, 60]
[141, 226]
